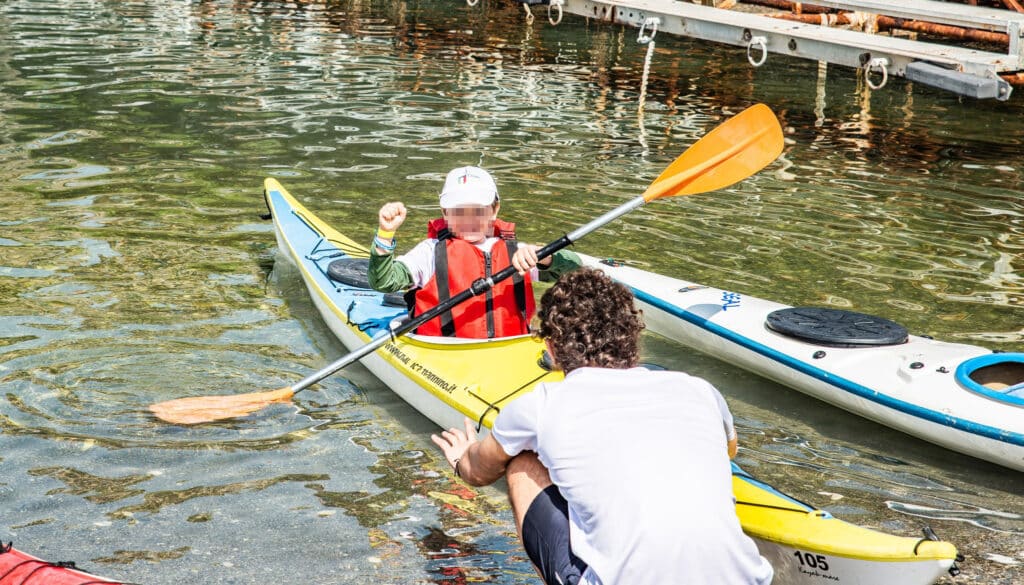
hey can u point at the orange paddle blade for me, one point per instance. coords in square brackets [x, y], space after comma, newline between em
[200, 409]
[733, 151]
[738, 148]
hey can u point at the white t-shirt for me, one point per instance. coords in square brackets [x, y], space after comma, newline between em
[420, 260]
[641, 457]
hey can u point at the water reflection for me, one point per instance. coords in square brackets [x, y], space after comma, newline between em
[134, 268]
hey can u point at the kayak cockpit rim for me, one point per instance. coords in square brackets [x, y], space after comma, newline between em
[428, 340]
[999, 376]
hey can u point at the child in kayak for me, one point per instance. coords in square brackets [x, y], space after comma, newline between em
[468, 242]
[618, 474]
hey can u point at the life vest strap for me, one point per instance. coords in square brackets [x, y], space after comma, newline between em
[441, 277]
[518, 283]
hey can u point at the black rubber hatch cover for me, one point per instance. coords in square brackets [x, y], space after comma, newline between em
[836, 327]
[350, 271]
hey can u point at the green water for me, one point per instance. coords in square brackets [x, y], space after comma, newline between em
[134, 268]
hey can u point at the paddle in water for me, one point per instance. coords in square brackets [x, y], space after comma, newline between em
[735, 150]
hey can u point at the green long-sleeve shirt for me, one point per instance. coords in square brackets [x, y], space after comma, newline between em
[388, 275]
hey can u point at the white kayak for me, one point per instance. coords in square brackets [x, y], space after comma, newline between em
[962, 397]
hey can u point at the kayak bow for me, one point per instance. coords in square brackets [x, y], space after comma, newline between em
[18, 568]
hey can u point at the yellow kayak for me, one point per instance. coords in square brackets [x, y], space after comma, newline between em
[447, 379]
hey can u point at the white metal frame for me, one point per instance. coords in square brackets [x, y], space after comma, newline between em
[973, 72]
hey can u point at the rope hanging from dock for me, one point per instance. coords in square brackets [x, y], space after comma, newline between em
[646, 39]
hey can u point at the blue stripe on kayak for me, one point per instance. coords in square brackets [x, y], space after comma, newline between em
[986, 431]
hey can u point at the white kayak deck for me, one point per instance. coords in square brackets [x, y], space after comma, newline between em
[917, 386]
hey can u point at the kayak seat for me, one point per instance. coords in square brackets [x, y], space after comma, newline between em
[836, 327]
[1015, 391]
[350, 271]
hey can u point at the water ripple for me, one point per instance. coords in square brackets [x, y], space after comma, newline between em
[134, 139]
[101, 395]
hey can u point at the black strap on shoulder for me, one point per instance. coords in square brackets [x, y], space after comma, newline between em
[410, 301]
[518, 283]
[441, 277]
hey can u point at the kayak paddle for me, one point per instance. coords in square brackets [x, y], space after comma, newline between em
[736, 149]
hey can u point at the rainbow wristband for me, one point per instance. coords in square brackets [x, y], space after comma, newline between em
[387, 246]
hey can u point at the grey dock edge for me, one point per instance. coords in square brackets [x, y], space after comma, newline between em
[964, 71]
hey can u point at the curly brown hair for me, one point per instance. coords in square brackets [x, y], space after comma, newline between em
[590, 320]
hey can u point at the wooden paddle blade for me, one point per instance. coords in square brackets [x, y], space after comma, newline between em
[200, 409]
[735, 150]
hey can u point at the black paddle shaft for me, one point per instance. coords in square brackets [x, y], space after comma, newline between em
[479, 287]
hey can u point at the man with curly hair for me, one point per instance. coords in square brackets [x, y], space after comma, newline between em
[618, 474]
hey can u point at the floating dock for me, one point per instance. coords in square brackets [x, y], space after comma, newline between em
[843, 32]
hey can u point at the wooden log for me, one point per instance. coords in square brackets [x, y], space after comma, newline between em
[889, 23]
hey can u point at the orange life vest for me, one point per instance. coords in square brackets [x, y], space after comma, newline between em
[503, 311]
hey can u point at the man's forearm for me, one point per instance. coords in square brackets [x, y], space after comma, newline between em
[483, 463]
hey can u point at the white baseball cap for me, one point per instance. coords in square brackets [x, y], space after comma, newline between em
[468, 186]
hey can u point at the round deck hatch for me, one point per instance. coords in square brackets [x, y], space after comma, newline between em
[836, 327]
[350, 271]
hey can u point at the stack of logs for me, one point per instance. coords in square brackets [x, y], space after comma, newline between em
[812, 14]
